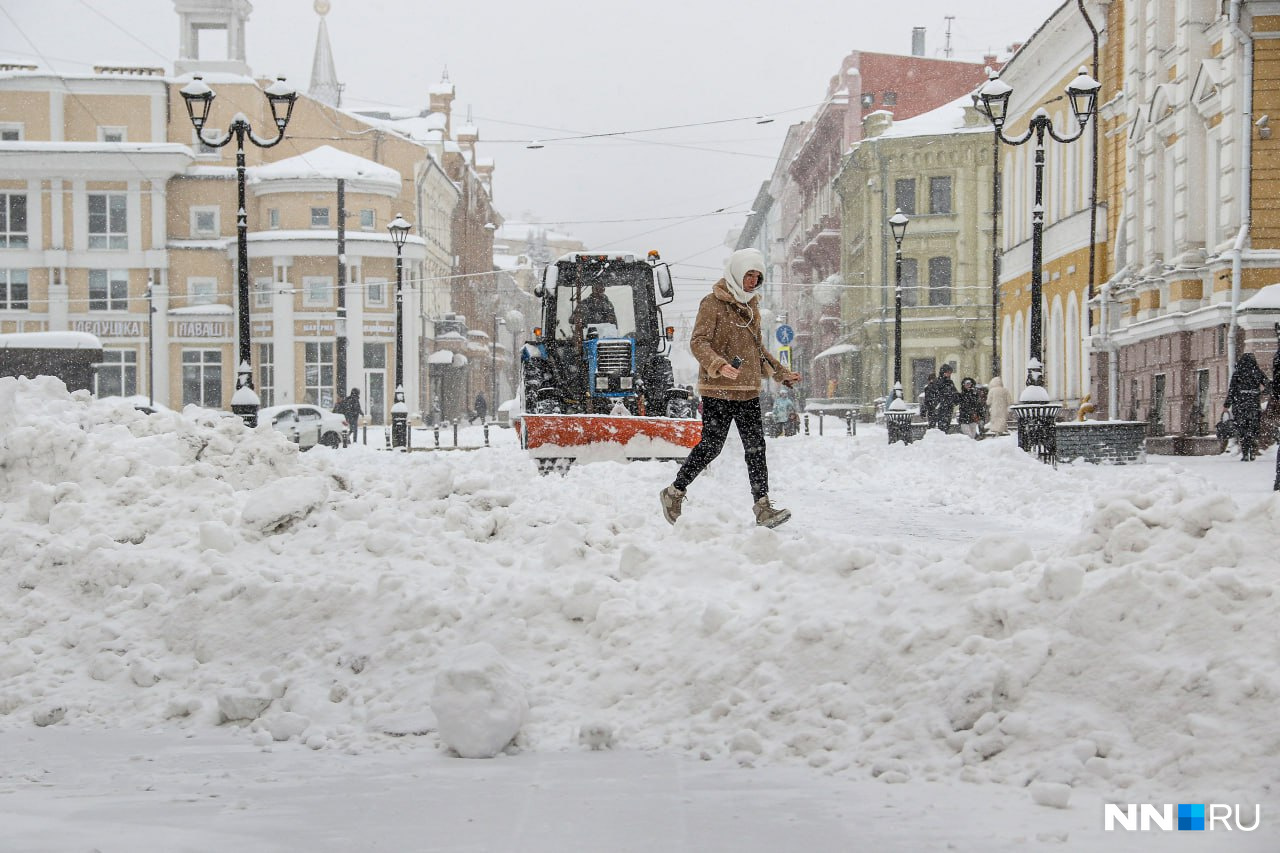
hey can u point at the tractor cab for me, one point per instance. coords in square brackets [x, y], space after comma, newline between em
[602, 340]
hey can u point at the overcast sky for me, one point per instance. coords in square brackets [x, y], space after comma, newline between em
[563, 67]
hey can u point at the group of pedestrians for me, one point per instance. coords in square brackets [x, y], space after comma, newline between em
[971, 406]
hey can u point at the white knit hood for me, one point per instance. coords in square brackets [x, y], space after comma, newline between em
[739, 264]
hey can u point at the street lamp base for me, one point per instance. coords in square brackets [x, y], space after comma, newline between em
[1038, 429]
[399, 429]
[898, 425]
[248, 412]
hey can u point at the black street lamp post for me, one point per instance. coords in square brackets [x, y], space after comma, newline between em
[199, 98]
[994, 96]
[897, 417]
[399, 229]
[1035, 413]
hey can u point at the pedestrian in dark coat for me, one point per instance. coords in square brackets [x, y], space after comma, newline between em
[349, 408]
[1275, 396]
[940, 399]
[482, 408]
[1244, 397]
[970, 403]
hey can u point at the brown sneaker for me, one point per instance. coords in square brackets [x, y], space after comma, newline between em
[767, 515]
[672, 503]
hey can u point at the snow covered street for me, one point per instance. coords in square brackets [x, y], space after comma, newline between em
[211, 640]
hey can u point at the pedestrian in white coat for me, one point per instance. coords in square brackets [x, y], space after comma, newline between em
[998, 401]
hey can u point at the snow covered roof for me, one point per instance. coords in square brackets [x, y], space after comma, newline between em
[328, 163]
[50, 340]
[1266, 299]
[942, 121]
[330, 235]
[442, 356]
[838, 349]
[509, 262]
[515, 230]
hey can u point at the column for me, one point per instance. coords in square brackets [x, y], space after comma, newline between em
[164, 358]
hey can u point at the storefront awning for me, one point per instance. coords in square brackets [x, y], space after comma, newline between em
[838, 349]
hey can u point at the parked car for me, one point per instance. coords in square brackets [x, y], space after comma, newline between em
[306, 425]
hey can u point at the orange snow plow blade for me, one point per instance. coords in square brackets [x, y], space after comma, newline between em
[588, 437]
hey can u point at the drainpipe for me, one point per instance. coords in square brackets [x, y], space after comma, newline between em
[1246, 178]
[1108, 345]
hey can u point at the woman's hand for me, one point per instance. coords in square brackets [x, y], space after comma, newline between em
[790, 378]
[728, 371]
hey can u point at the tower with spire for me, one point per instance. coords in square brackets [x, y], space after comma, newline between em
[324, 87]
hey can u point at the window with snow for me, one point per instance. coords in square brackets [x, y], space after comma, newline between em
[13, 220]
[117, 373]
[939, 281]
[13, 290]
[267, 374]
[202, 377]
[904, 195]
[317, 291]
[202, 291]
[108, 290]
[108, 221]
[940, 195]
[204, 222]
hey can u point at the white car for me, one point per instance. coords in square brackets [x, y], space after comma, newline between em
[306, 425]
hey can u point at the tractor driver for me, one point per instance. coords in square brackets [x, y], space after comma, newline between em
[595, 308]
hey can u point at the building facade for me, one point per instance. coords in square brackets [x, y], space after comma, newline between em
[936, 169]
[810, 224]
[118, 221]
[1197, 209]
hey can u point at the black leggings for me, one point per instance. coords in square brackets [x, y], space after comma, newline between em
[717, 416]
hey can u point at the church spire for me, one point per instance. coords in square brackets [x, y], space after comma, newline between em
[325, 87]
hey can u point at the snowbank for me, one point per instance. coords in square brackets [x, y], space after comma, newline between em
[948, 610]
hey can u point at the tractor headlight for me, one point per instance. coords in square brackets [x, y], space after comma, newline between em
[626, 383]
[602, 383]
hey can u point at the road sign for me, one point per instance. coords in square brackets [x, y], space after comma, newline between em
[784, 355]
[785, 334]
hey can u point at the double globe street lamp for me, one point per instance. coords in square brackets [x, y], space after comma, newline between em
[199, 98]
[897, 418]
[399, 228]
[1036, 415]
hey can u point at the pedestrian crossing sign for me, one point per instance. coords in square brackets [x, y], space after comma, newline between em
[784, 356]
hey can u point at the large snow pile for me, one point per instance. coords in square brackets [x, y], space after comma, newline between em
[1111, 627]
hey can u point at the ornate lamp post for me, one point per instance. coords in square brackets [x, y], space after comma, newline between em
[896, 417]
[399, 229]
[1035, 413]
[199, 98]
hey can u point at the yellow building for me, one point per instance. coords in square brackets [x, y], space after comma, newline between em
[1195, 202]
[111, 207]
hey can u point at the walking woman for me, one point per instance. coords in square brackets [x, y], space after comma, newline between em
[733, 362]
